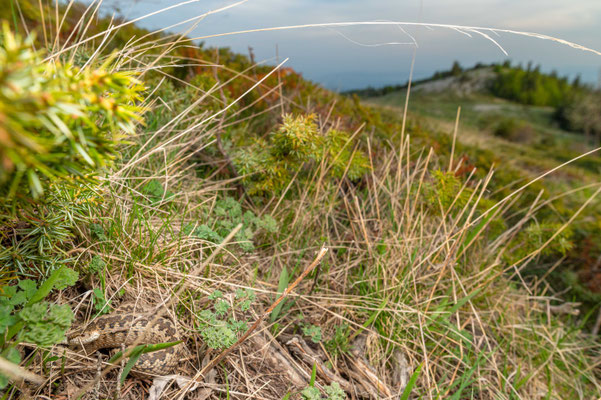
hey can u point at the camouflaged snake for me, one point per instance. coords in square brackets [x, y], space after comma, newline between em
[127, 326]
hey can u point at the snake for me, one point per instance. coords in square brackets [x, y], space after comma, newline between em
[126, 326]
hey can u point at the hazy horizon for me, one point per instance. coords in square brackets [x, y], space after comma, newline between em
[360, 56]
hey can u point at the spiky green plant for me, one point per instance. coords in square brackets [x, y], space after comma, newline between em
[59, 127]
[57, 121]
[296, 147]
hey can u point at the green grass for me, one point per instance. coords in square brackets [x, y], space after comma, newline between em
[479, 114]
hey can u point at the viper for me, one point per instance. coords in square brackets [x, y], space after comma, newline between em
[128, 326]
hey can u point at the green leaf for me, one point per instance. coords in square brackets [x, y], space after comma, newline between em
[6, 319]
[18, 299]
[9, 291]
[12, 355]
[311, 393]
[218, 337]
[149, 348]
[217, 294]
[313, 332]
[29, 287]
[45, 326]
[313, 375]
[43, 334]
[407, 391]
[61, 315]
[269, 224]
[97, 264]
[67, 277]
[46, 287]
[245, 305]
[12, 331]
[282, 285]
[335, 392]
[221, 307]
[137, 352]
[59, 279]
[34, 313]
[133, 358]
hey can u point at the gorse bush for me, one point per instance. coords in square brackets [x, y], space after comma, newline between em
[59, 126]
[268, 165]
[58, 121]
[444, 189]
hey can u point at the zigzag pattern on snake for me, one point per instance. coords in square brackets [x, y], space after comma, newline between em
[126, 326]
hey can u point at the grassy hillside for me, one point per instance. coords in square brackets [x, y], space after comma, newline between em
[529, 141]
[201, 187]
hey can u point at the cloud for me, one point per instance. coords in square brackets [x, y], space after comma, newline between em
[557, 16]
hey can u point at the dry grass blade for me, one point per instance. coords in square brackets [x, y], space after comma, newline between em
[138, 19]
[476, 29]
[16, 373]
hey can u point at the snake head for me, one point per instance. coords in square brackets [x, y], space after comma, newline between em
[83, 340]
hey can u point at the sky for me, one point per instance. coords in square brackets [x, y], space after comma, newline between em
[342, 58]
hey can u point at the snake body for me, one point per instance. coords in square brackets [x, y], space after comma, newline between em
[128, 327]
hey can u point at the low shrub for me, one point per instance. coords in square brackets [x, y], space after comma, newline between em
[514, 130]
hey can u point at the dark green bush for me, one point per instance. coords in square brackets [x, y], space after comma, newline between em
[581, 112]
[529, 86]
[514, 130]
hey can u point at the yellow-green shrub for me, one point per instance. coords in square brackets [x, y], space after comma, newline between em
[58, 122]
[297, 146]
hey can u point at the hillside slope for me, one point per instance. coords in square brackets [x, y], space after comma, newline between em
[396, 256]
[528, 140]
